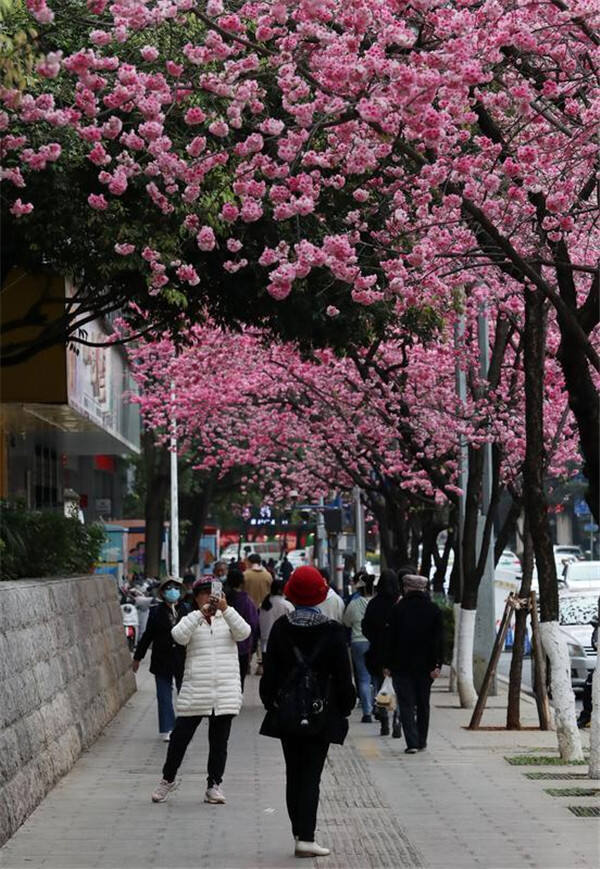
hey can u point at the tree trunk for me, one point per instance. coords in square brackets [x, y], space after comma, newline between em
[194, 509]
[464, 659]
[454, 593]
[583, 397]
[156, 460]
[454, 590]
[507, 528]
[430, 533]
[466, 634]
[391, 517]
[441, 562]
[453, 681]
[555, 647]
[513, 713]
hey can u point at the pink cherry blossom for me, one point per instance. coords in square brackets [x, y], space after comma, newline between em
[195, 115]
[97, 201]
[206, 238]
[149, 53]
[124, 249]
[19, 208]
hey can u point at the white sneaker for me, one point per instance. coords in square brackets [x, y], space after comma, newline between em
[214, 794]
[310, 849]
[163, 790]
[165, 736]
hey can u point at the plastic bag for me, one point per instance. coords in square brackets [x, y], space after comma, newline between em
[386, 698]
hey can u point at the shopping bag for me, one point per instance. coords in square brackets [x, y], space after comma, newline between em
[386, 698]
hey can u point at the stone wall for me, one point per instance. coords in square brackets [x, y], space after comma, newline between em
[65, 671]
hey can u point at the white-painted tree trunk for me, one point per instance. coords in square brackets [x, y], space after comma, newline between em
[563, 698]
[595, 731]
[452, 684]
[466, 634]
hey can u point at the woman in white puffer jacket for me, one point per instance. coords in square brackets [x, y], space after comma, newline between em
[211, 686]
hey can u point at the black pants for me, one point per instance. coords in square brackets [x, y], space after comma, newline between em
[304, 761]
[412, 693]
[219, 727]
[244, 666]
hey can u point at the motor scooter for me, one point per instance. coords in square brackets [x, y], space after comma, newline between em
[130, 623]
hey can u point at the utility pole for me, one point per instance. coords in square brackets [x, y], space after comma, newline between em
[174, 490]
[359, 529]
[321, 535]
[463, 474]
[485, 620]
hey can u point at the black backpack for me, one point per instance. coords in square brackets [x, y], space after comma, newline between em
[301, 701]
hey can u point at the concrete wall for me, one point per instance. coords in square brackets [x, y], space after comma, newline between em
[65, 671]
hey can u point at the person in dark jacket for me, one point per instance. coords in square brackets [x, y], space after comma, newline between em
[374, 624]
[241, 601]
[309, 630]
[285, 568]
[168, 658]
[413, 655]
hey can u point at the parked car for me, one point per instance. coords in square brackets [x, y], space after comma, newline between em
[265, 550]
[509, 561]
[567, 550]
[298, 557]
[580, 575]
[577, 613]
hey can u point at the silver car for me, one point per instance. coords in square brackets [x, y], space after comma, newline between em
[577, 612]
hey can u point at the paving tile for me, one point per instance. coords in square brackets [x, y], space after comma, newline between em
[457, 805]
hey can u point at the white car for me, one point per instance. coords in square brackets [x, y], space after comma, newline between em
[299, 557]
[582, 575]
[577, 611]
[509, 561]
[564, 550]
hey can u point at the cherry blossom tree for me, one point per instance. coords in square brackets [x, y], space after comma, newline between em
[373, 155]
[378, 151]
[386, 418]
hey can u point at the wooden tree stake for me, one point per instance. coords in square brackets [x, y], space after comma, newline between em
[493, 663]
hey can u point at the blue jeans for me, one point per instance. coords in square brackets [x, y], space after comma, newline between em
[362, 675]
[164, 695]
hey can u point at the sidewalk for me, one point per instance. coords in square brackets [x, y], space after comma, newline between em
[460, 804]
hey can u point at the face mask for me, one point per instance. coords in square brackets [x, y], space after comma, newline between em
[172, 595]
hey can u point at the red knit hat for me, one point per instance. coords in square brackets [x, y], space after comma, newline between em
[306, 587]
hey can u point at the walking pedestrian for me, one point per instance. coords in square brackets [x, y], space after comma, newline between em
[211, 686]
[333, 605]
[220, 570]
[413, 655]
[285, 568]
[257, 582]
[245, 606]
[359, 645]
[167, 657]
[273, 607]
[374, 625]
[188, 595]
[306, 641]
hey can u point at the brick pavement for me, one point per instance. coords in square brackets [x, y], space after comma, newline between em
[457, 805]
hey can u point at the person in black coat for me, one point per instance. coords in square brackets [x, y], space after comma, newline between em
[311, 632]
[414, 645]
[373, 627]
[168, 658]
